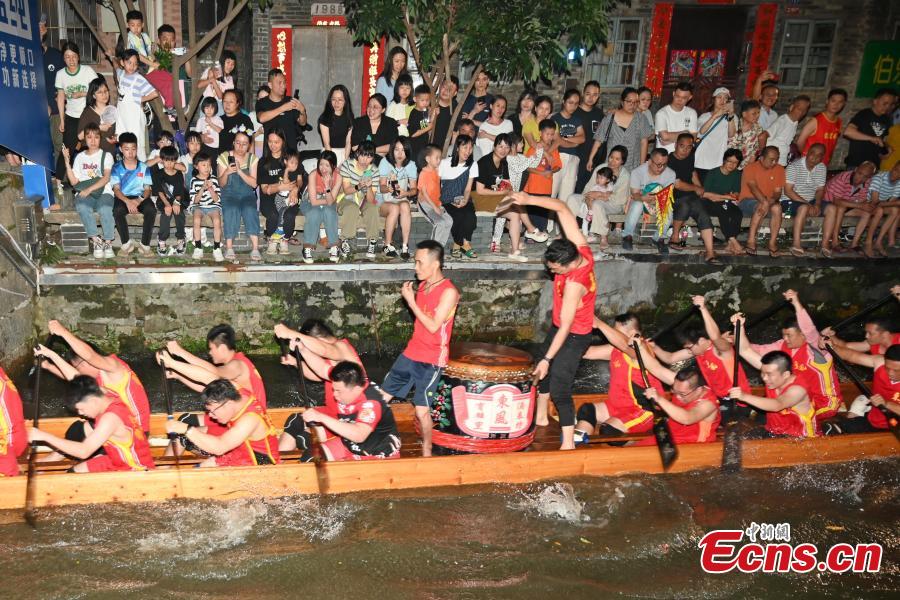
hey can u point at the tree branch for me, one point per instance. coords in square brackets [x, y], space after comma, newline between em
[455, 115]
[106, 51]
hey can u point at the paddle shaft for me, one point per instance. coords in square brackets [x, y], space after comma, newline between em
[769, 312]
[731, 441]
[681, 319]
[299, 357]
[668, 452]
[863, 313]
[859, 383]
[167, 392]
[32, 455]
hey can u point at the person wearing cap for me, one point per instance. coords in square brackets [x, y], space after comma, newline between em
[717, 125]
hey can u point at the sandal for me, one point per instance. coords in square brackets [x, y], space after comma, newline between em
[826, 252]
[294, 241]
[750, 251]
[713, 260]
[677, 246]
[798, 252]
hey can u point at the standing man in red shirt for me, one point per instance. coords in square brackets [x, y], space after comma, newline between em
[434, 305]
[825, 127]
[13, 437]
[574, 290]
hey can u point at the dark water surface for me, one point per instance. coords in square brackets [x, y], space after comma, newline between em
[623, 537]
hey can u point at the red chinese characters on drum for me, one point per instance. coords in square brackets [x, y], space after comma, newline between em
[499, 410]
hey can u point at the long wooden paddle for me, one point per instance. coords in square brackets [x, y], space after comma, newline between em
[863, 313]
[167, 392]
[30, 516]
[892, 420]
[731, 444]
[668, 452]
[766, 314]
[315, 444]
[681, 319]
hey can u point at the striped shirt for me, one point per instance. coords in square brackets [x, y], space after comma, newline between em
[804, 181]
[841, 187]
[133, 87]
[887, 189]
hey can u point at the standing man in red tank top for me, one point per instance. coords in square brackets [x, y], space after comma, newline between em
[433, 304]
[13, 437]
[824, 128]
[574, 290]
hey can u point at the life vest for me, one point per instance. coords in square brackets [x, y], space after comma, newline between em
[887, 389]
[133, 455]
[875, 349]
[719, 376]
[821, 378]
[625, 386]
[256, 382]
[13, 436]
[252, 452]
[701, 431]
[330, 401]
[130, 391]
[791, 421]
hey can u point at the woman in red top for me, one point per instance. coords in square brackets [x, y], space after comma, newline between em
[13, 438]
[249, 437]
[574, 291]
[115, 428]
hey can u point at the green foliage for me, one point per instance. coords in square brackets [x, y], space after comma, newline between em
[511, 39]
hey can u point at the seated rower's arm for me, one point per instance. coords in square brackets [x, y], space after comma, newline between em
[84, 350]
[790, 397]
[315, 365]
[671, 357]
[657, 369]
[863, 359]
[696, 413]
[829, 336]
[218, 445]
[355, 432]
[194, 373]
[615, 337]
[57, 365]
[175, 349]
[602, 352]
[185, 381]
[104, 428]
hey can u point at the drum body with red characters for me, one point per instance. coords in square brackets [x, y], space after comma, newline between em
[485, 401]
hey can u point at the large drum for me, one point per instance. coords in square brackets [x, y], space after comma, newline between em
[485, 401]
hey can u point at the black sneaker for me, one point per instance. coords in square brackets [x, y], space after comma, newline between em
[404, 252]
[346, 251]
[662, 247]
[456, 253]
[390, 251]
[627, 243]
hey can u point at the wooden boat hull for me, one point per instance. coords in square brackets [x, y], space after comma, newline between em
[405, 473]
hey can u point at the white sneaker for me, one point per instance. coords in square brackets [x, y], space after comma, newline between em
[333, 254]
[517, 256]
[127, 248]
[145, 250]
[272, 248]
[537, 236]
[98, 247]
[370, 249]
[284, 247]
[108, 251]
[860, 406]
[217, 254]
[198, 253]
[307, 255]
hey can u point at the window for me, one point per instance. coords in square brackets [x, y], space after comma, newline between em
[63, 23]
[806, 53]
[616, 63]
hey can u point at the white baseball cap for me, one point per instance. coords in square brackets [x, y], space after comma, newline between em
[721, 90]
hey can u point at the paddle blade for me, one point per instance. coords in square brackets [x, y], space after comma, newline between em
[30, 516]
[731, 449]
[504, 205]
[667, 450]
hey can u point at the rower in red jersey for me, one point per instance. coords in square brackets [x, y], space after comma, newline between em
[885, 391]
[248, 437]
[788, 404]
[692, 407]
[433, 303]
[799, 339]
[13, 437]
[116, 430]
[571, 261]
[113, 375]
[316, 339]
[879, 338]
[360, 426]
[623, 411]
[713, 352]
[226, 363]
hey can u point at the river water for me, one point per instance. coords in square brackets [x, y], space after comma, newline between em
[623, 537]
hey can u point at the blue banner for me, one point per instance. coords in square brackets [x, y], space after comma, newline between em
[26, 128]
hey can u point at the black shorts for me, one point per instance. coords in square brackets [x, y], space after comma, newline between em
[192, 419]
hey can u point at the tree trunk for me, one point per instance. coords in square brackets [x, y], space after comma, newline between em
[455, 116]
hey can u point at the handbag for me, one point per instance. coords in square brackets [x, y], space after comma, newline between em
[603, 150]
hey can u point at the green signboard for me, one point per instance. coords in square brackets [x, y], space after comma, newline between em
[880, 68]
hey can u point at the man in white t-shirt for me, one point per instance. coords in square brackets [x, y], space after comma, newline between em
[676, 118]
[784, 129]
[649, 178]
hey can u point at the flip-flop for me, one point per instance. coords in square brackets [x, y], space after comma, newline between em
[713, 260]
[750, 251]
[826, 252]
[798, 252]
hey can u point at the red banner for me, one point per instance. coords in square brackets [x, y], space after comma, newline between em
[330, 21]
[762, 42]
[373, 62]
[282, 44]
[661, 27]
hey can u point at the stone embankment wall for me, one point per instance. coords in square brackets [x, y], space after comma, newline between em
[134, 318]
[17, 314]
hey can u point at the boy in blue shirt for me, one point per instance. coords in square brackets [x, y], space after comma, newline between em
[131, 181]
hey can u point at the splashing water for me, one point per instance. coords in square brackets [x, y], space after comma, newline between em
[555, 501]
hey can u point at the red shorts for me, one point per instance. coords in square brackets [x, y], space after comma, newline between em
[9, 467]
[102, 463]
[634, 419]
[335, 450]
